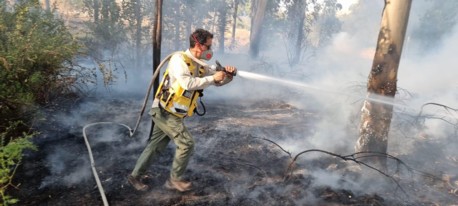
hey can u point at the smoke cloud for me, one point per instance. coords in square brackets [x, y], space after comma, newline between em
[333, 87]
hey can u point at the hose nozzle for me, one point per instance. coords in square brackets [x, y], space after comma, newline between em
[219, 67]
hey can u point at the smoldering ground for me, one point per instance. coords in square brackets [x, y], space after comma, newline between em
[233, 164]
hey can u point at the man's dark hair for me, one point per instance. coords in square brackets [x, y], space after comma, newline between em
[201, 35]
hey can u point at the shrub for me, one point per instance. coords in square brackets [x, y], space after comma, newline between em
[37, 55]
[11, 149]
[36, 60]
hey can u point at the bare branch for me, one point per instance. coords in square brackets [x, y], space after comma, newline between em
[447, 108]
[350, 157]
[289, 153]
[437, 104]
[356, 158]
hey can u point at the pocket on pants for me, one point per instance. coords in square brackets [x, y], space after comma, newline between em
[176, 129]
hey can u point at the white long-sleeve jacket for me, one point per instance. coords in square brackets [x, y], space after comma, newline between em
[179, 71]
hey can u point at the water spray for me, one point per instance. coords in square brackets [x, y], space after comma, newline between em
[373, 97]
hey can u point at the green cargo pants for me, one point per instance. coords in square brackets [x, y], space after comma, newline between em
[167, 127]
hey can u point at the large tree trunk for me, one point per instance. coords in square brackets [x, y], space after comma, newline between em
[157, 38]
[376, 116]
[258, 13]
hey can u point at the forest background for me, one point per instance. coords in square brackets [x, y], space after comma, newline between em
[53, 52]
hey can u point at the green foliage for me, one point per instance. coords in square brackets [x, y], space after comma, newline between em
[11, 149]
[36, 65]
[36, 53]
[107, 28]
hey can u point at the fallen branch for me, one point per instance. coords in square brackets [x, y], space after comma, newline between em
[356, 158]
[289, 153]
[350, 157]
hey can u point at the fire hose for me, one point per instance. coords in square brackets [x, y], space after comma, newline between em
[132, 131]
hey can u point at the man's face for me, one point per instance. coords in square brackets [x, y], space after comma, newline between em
[204, 47]
[204, 50]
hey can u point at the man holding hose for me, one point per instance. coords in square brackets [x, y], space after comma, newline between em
[176, 98]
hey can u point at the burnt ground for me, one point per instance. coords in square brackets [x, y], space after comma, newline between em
[232, 163]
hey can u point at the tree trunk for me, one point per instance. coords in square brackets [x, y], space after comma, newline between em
[105, 11]
[138, 32]
[298, 30]
[234, 21]
[48, 5]
[376, 116]
[157, 39]
[258, 11]
[222, 26]
[96, 11]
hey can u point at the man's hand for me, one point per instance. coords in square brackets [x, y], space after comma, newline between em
[219, 76]
[231, 70]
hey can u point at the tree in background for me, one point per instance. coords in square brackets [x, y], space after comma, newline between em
[107, 28]
[304, 18]
[138, 28]
[258, 9]
[438, 21]
[235, 7]
[133, 12]
[327, 23]
[180, 17]
[376, 116]
[222, 11]
[48, 5]
[298, 30]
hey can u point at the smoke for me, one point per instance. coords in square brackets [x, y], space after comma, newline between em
[68, 161]
[339, 70]
[65, 169]
[342, 67]
[431, 77]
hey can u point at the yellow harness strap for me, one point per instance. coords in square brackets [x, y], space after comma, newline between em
[173, 98]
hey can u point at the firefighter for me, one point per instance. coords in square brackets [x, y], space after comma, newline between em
[176, 98]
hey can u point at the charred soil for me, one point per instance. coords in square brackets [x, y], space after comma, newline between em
[233, 164]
